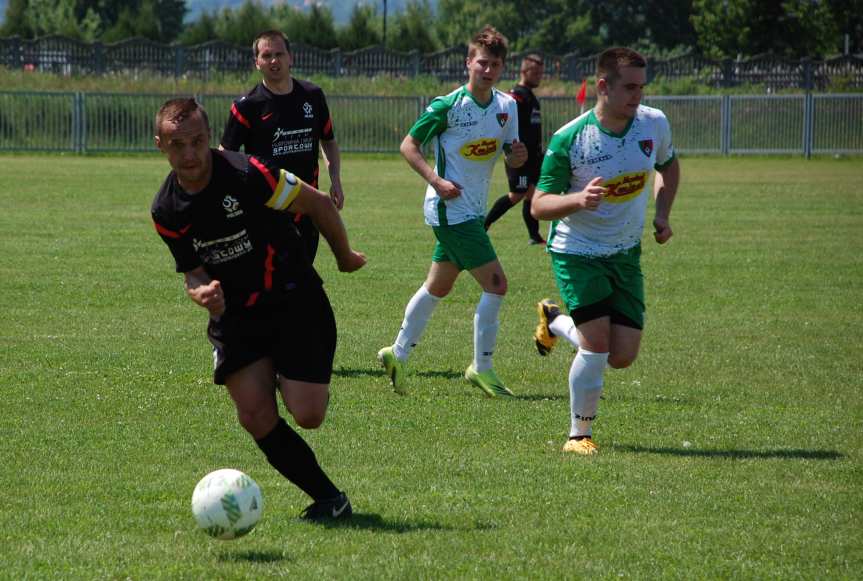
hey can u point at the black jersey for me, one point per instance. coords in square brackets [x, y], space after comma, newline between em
[226, 228]
[284, 128]
[529, 123]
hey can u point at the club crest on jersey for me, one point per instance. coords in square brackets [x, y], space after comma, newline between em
[231, 206]
[307, 109]
[502, 118]
[479, 149]
[646, 146]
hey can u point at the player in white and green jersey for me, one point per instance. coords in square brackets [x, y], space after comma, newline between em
[594, 187]
[467, 137]
[469, 129]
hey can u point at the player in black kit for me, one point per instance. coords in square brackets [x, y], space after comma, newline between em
[270, 319]
[286, 120]
[522, 181]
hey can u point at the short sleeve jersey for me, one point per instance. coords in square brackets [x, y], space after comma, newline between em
[467, 138]
[223, 229]
[529, 122]
[582, 150]
[284, 128]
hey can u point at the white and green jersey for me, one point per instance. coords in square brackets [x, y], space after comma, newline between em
[582, 150]
[468, 138]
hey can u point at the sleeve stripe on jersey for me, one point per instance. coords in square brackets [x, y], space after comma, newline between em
[286, 191]
[264, 171]
[170, 233]
[328, 126]
[239, 116]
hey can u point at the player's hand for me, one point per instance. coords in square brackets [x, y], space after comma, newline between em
[446, 189]
[591, 196]
[210, 296]
[517, 154]
[662, 230]
[352, 261]
[337, 196]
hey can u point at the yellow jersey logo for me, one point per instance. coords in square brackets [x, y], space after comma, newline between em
[625, 187]
[479, 150]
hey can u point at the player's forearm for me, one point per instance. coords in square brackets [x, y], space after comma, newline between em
[410, 150]
[333, 159]
[547, 206]
[320, 208]
[665, 189]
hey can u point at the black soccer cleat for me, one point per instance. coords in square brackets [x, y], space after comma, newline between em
[337, 508]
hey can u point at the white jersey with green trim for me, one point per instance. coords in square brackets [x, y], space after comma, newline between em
[582, 150]
[468, 138]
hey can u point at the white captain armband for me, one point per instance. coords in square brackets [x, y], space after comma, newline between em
[286, 191]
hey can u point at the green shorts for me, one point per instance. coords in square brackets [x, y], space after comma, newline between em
[614, 281]
[466, 245]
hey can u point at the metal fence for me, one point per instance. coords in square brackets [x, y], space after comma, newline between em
[137, 55]
[723, 125]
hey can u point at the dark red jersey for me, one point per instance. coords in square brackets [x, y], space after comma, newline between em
[284, 128]
[228, 230]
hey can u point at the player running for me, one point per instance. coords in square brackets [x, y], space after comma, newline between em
[270, 320]
[594, 185]
[468, 129]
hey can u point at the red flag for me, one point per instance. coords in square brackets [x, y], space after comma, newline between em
[581, 97]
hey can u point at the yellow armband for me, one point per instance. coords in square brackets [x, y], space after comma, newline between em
[286, 191]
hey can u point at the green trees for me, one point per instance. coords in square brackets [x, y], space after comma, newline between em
[89, 20]
[718, 28]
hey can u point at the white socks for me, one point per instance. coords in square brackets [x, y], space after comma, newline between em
[585, 387]
[417, 315]
[563, 326]
[485, 325]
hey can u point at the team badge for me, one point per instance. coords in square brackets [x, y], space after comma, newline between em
[502, 118]
[646, 146]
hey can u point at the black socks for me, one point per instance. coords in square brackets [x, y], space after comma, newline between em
[288, 453]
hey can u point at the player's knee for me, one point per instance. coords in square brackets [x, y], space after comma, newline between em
[310, 418]
[257, 422]
[438, 290]
[621, 360]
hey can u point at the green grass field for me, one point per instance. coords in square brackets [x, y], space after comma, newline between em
[731, 449]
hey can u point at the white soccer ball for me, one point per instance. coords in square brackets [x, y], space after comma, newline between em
[227, 504]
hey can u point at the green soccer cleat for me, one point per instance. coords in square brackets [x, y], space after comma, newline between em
[487, 381]
[542, 336]
[396, 370]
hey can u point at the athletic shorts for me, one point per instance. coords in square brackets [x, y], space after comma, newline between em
[298, 334]
[466, 245]
[520, 179]
[593, 287]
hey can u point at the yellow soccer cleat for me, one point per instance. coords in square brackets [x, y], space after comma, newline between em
[396, 370]
[545, 341]
[583, 446]
[487, 381]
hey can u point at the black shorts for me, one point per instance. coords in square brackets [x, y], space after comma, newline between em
[298, 334]
[520, 179]
[603, 308]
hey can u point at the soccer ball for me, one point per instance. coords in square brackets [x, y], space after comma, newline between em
[227, 504]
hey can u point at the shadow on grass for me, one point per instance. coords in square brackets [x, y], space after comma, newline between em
[792, 454]
[379, 372]
[374, 522]
[254, 557]
[540, 397]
